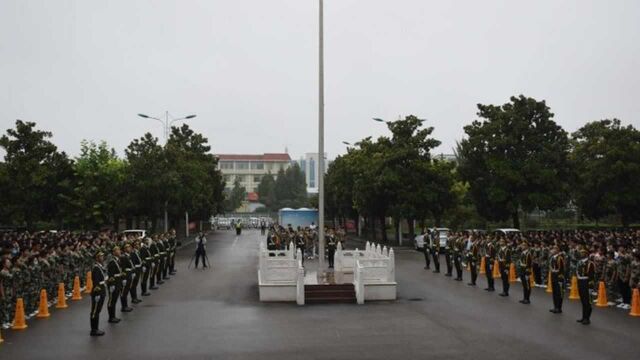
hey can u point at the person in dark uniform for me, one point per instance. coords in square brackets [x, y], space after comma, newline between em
[525, 262]
[167, 249]
[127, 269]
[458, 248]
[489, 257]
[504, 261]
[426, 249]
[472, 258]
[557, 267]
[263, 227]
[137, 271]
[147, 262]
[115, 283]
[448, 254]
[435, 252]
[585, 271]
[300, 244]
[201, 249]
[331, 249]
[98, 293]
[173, 246]
[161, 261]
[155, 256]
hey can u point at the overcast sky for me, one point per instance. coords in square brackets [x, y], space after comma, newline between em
[248, 69]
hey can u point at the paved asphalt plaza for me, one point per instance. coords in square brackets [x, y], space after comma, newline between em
[215, 314]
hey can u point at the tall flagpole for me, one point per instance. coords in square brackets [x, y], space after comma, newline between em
[321, 143]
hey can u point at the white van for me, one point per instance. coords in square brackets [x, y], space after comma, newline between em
[441, 233]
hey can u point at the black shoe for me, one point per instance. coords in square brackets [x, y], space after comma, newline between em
[525, 302]
[114, 320]
[146, 294]
[172, 273]
[426, 268]
[586, 322]
[167, 278]
[154, 288]
[580, 320]
[436, 271]
[555, 311]
[96, 333]
[447, 274]
[136, 301]
[471, 284]
[503, 294]
[126, 309]
[160, 282]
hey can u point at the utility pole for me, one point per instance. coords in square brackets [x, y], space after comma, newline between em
[321, 140]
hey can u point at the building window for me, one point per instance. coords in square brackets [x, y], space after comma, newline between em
[257, 179]
[226, 165]
[242, 165]
[257, 165]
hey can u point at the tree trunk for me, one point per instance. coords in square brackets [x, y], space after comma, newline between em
[412, 230]
[373, 228]
[516, 219]
[383, 226]
[396, 225]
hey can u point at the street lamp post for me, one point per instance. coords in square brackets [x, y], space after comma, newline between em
[167, 128]
[321, 138]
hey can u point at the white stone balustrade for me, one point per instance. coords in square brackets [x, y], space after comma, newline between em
[279, 274]
[374, 274]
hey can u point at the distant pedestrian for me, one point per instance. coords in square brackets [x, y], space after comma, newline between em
[585, 270]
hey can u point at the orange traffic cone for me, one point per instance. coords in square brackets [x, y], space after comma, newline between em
[88, 284]
[43, 309]
[1, 340]
[483, 265]
[512, 273]
[62, 301]
[602, 295]
[549, 287]
[635, 303]
[574, 295]
[19, 322]
[76, 289]
[496, 269]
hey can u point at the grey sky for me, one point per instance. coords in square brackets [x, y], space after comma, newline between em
[83, 69]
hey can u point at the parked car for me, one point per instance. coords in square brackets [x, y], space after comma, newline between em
[140, 234]
[506, 231]
[224, 223]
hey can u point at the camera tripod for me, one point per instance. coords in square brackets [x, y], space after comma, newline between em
[205, 261]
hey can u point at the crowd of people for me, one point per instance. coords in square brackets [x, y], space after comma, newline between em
[611, 257]
[42, 260]
[305, 239]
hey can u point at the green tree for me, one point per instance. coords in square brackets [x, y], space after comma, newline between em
[98, 188]
[515, 159]
[196, 184]
[606, 157]
[237, 194]
[149, 180]
[267, 191]
[290, 188]
[33, 175]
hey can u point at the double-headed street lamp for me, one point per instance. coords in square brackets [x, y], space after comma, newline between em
[166, 123]
[167, 128]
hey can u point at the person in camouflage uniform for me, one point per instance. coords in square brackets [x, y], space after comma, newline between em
[7, 294]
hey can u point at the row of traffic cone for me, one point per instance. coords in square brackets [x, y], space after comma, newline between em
[19, 320]
[573, 293]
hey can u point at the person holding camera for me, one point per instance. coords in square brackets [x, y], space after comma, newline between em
[201, 251]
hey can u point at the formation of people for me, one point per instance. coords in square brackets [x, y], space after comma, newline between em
[305, 239]
[610, 257]
[119, 266]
